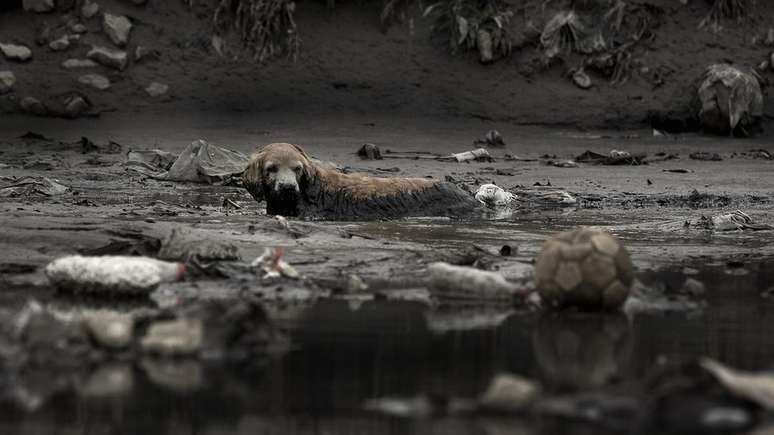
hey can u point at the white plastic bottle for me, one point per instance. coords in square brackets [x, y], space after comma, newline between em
[117, 274]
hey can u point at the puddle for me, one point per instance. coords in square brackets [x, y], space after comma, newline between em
[341, 356]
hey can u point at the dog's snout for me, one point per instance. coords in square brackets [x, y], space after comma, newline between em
[287, 187]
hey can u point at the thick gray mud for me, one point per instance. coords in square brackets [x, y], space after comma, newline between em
[345, 347]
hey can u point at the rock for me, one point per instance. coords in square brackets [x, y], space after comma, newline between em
[509, 393]
[79, 63]
[110, 58]
[38, 5]
[33, 106]
[117, 28]
[219, 45]
[484, 43]
[369, 151]
[731, 100]
[142, 53]
[581, 79]
[60, 44]
[109, 329]
[89, 9]
[78, 28]
[7, 80]
[174, 337]
[16, 52]
[156, 89]
[75, 106]
[96, 81]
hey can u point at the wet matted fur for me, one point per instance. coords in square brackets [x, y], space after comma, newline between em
[292, 184]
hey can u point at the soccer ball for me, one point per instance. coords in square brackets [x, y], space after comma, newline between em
[585, 268]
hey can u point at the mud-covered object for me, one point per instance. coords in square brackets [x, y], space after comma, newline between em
[585, 268]
[31, 186]
[200, 162]
[730, 100]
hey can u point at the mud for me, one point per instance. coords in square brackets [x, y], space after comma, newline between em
[345, 344]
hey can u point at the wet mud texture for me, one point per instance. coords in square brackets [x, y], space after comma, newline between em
[345, 344]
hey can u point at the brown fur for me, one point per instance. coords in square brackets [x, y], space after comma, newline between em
[326, 192]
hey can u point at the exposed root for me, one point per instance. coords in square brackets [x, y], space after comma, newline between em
[733, 9]
[266, 27]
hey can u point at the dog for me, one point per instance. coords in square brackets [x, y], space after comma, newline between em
[294, 185]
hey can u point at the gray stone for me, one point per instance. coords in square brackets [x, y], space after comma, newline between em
[111, 58]
[60, 44]
[156, 89]
[109, 329]
[142, 53]
[117, 28]
[33, 106]
[89, 9]
[16, 52]
[38, 5]
[75, 106]
[7, 80]
[96, 81]
[79, 63]
[78, 28]
[174, 337]
[581, 79]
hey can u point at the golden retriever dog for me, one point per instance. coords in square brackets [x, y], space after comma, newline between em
[292, 184]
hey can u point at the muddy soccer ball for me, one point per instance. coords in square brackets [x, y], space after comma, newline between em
[585, 268]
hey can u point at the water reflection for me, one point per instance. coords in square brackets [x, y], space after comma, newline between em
[340, 358]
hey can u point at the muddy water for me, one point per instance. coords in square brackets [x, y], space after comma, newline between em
[343, 353]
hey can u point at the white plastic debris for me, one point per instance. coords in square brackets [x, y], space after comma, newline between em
[479, 154]
[274, 266]
[620, 154]
[731, 221]
[459, 282]
[117, 274]
[494, 196]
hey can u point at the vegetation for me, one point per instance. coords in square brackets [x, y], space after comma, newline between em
[733, 9]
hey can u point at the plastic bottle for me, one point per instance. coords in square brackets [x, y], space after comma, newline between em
[117, 274]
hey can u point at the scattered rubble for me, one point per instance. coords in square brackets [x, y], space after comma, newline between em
[156, 89]
[60, 44]
[7, 81]
[30, 186]
[33, 106]
[89, 9]
[117, 28]
[110, 58]
[96, 81]
[16, 52]
[75, 106]
[369, 151]
[79, 63]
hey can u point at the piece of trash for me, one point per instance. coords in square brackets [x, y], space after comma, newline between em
[114, 274]
[614, 157]
[180, 245]
[509, 393]
[200, 162]
[369, 151]
[492, 138]
[585, 267]
[705, 156]
[274, 266]
[736, 220]
[564, 164]
[30, 186]
[581, 79]
[658, 133]
[755, 387]
[153, 163]
[459, 282]
[229, 203]
[494, 196]
[479, 155]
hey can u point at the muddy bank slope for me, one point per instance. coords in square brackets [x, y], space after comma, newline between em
[346, 64]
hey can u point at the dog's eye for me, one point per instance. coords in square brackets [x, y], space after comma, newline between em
[271, 168]
[297, 169]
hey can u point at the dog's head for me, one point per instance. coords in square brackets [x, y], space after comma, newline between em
[278, 173]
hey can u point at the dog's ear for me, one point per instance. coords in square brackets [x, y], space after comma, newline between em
[252, 177]
[300, 150]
